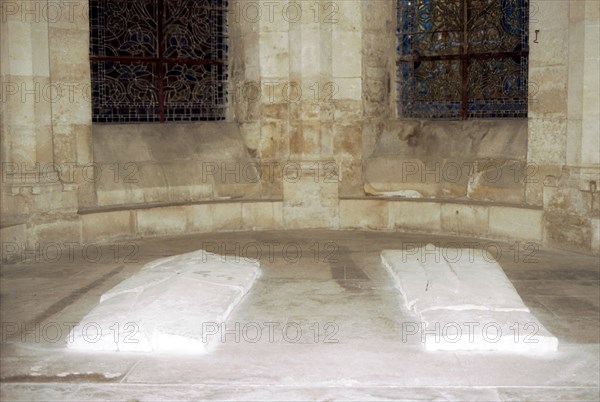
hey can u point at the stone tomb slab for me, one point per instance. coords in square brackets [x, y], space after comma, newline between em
[164, 306]
[464, 302]
[480, 330]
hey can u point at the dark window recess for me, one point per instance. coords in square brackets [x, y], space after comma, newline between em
[158, 60]
[460, 59]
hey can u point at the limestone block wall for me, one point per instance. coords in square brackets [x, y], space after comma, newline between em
[71, 106]
[34, 101]
[312, 92]
[142, 164]
[551, 164]
[224, 216]
[299, 102]
[563, 122]
[481, 160]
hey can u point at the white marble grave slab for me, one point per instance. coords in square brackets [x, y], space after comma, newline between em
[480, 330]
[463, 300]
[164, 306]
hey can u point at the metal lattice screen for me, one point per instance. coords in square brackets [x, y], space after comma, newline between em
[460, 59]
[158, 60]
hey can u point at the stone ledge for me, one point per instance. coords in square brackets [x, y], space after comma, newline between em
[130, 207]
[445, 201]
[6, 225]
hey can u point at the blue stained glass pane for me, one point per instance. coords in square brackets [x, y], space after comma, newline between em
[442, 41]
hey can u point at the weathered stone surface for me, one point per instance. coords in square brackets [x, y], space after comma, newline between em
[569, 208]
[107, 225]
[351, 178]
[262, 215]
[346, 50]
[551, 92]
[347, 140]
[310, 194]
[161, 221]
[569, 230]
[347, 107]
[498, 179]
[274, 54]
[516, 223]
[305, 139]
[274, 140]
[465, 219]
[547, 141]
[363, 214]
[596, 235]
[14, 238]
[232, 216]
[226, 216]
[478, 160]
[424, 217]
[151, 163]
[167, 306]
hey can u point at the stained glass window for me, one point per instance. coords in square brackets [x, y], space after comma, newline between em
[158, 60]
[460, 59]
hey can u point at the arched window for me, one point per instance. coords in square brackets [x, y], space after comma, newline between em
[459, 59]
[158, 60]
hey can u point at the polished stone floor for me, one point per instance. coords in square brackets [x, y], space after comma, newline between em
[323, 322]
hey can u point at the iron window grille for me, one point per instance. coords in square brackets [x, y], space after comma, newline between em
[158, 60]
[460, 59]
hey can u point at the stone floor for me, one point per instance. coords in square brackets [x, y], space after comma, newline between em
[323, 322]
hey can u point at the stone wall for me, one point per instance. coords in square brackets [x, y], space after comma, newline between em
[166, 163]
[45, 125]
[478, 160]
[550, 162]
[564, 145]
[312, 97]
